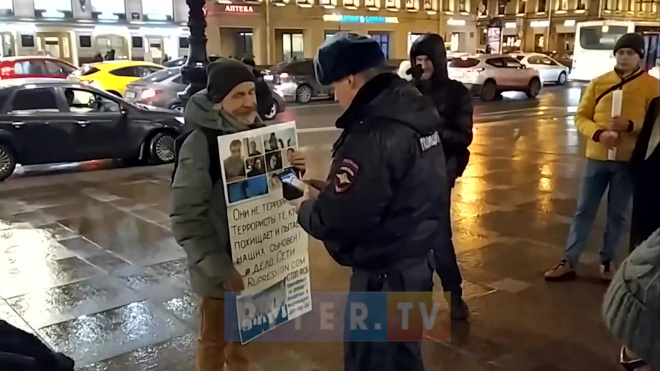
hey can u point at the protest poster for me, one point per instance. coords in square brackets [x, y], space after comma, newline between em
[269, 248]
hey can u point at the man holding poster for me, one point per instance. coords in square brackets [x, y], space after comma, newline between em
[199, 210]
[385, 202]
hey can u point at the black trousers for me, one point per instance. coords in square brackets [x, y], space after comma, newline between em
[444, 257]
[413, 276]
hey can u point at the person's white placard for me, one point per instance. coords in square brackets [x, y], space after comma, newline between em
[617, 102]
[268, 246]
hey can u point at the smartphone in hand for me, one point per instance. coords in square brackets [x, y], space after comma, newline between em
[292, 187]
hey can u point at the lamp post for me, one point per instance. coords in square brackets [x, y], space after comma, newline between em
[194, 71]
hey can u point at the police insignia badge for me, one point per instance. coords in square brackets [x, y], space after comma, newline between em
[345, 175]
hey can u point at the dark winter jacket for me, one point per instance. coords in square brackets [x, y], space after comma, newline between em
[264, 95]
[452, 100]
[386, 196]
[645, 163]
[23, 351]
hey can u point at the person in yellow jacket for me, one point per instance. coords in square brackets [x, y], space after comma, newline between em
[603, 132]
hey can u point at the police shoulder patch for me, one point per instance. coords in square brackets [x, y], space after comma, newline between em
[345, 175]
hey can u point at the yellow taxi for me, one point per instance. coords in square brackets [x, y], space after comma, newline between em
[113, 76]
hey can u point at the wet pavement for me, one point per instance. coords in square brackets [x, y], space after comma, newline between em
[88, 263]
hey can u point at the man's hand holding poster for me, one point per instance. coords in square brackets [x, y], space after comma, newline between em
[268, 246]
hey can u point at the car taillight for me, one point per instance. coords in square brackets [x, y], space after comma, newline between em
[6, 71]
[285, 78]
[476, 70]
[149, 93]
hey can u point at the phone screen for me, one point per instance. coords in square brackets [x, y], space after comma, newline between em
[292, 187]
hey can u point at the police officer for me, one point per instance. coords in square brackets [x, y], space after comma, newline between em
[385, 200]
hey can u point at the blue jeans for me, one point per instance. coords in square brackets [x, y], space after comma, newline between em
[598, 175]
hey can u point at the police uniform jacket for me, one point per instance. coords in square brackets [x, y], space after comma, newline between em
[385, 198]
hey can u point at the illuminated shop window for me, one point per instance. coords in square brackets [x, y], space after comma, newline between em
[539, 43]
[454, 41]
[384, 40]
[372, 4]
[328, 3]
[292, 47]
[411, 39]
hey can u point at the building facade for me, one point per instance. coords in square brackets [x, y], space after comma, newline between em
[550, 25]
[279, 30]
[76, 30]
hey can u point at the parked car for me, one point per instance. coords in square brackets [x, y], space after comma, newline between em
[487, 75]
[35, 66]
[182, 60]
[49, 121]
[296, 81]
[160, 89]
[565, 58]
[551, 71]
[113, 76]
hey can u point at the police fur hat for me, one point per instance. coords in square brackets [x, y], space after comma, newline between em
[344, 54]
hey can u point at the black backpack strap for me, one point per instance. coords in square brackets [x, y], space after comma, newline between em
[214, 153]
[619, 85]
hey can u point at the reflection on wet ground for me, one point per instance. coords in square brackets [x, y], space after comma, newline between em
[89, 264]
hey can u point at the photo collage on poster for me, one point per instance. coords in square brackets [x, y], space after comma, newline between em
[251, 164]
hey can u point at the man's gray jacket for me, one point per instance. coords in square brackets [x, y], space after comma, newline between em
[199, 211]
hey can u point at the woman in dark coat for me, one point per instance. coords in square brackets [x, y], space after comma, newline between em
[645, 162]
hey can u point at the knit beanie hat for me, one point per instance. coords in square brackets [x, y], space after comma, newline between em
[223, 75]
[633, 41]
[344, 54]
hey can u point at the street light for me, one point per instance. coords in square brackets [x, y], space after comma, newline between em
[194, 71]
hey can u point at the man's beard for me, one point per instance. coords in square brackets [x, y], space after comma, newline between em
[245, 116]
